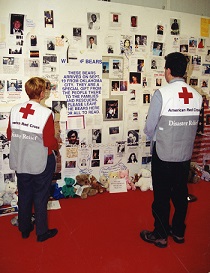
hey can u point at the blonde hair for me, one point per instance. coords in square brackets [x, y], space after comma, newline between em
[34, 86]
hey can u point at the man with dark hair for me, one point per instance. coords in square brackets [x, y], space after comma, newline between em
[171, 127]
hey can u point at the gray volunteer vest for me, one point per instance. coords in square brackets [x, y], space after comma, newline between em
[178, 122]
[27, 152]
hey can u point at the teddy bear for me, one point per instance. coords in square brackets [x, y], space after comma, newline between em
[145, 180]
[56, 191]
[103, 180]
[205, 176]
[68, 189]
[112, 175]
[83, 186]
[95, 184]
[125, 174]
[9, 196]
[194, 173]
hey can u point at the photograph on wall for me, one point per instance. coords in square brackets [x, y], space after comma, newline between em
[126, 44]
[133, 138]
[77, 33]
[93, 20]
[134, 21]
[115, 19]
[48, 19]
[111, 109]
[72, 138]
[91, 42]
[96, 136]
[135, 77]
[175, 26]
[17, 24]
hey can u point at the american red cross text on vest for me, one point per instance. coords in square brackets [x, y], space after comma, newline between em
[27, 111]
[185, 95]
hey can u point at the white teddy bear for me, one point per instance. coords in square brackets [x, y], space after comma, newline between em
[145, 180]
[9, 196]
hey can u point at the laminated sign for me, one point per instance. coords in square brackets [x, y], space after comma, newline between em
[117, 185]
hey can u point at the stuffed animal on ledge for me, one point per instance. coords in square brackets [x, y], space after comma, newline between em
[9, 196]
[145, 180]
[125, 174]
[83, 186]
[95, 184]
[103, 180]
[68, 189]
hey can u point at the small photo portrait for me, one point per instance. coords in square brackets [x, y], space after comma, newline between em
[158, 82]
[70, 164]
[12, 85]
[135, 116]
[133, 138]
[8, 61]
[96, 136]
[33, 63]
[108, 159]
[160, 29]
[146, 98]
[132, 94]
[184, 48]
[123, 85]
[115, 86]
[72, 138]
[95, 163]
[48, 18]
[175, 26]
[157, 49]
[114, 130]
[105, 67]
[132, 158]
[192, 43]
[153, 64]
[95, 154]
[140, 65]
[2, 85]
[135, 78]
[112, 109]
[143, 40]
[92, 42]
[77, 32]
[115, 18]
[50, 45]
[121, 147]
[33, 40]
[134, 20]
[93, 20]
[16, 24]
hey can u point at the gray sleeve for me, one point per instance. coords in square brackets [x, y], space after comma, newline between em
[153, 115]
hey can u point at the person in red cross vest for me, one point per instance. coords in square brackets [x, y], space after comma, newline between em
[32, 146]
[171, 126]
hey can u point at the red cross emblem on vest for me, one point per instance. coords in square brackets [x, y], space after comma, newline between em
[185, 95]
[27, 111]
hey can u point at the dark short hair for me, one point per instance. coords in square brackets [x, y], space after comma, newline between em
[72, 132]
[177, 62]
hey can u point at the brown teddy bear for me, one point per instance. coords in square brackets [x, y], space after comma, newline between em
[96, 185]
[84, 189]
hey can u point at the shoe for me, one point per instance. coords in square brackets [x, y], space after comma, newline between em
[150, 237]
[47, 235]
[25, 234]
[191, 198]
[177, 239]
